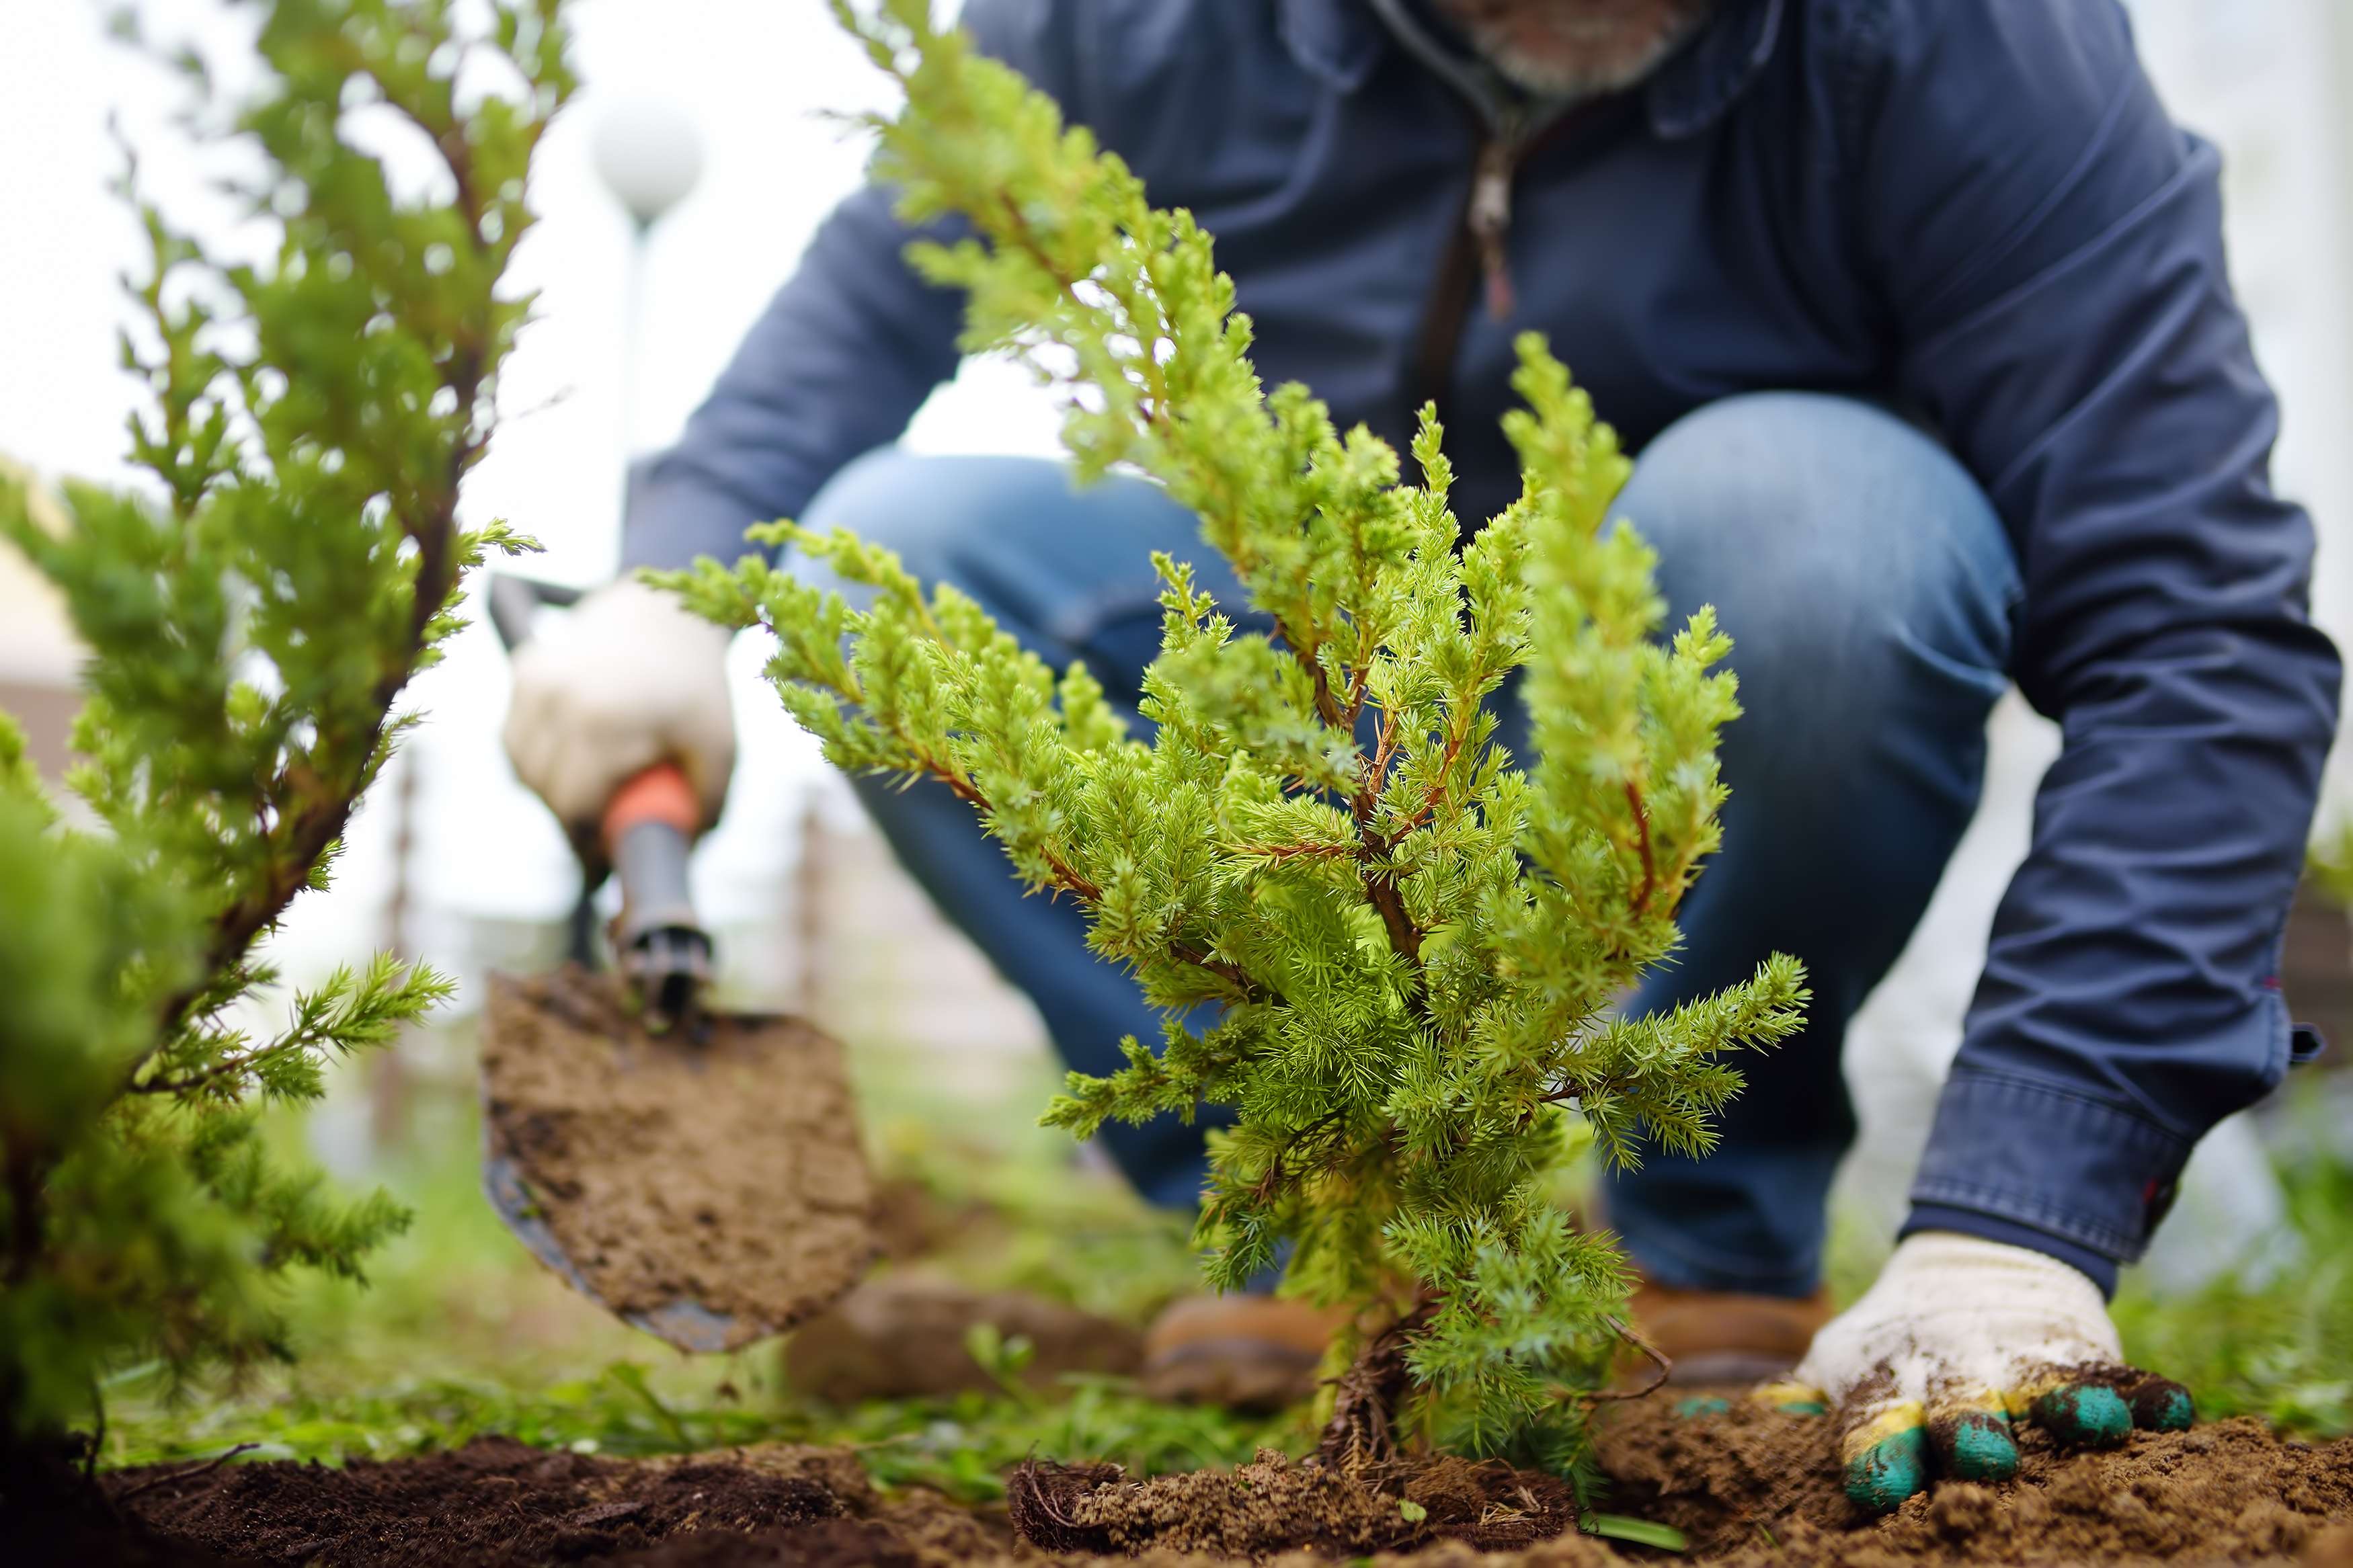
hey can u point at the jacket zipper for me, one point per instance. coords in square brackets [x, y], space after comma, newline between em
[1478, 253]
[1488, 221]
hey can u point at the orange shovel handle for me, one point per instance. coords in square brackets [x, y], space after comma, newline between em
[660, 794]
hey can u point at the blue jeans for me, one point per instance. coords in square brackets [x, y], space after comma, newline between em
[1867, 589]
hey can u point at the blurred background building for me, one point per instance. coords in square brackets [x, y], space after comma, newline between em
[36, 662]
[453, 861]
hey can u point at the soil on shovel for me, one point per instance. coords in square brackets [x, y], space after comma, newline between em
[724, 1170]
[1750, 1487]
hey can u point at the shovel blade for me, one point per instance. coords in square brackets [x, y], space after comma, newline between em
[708, 1187]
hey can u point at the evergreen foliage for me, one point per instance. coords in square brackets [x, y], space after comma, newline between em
[250, 619]
[1392, 947]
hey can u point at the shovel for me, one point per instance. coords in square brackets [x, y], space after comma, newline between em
[697, 1173]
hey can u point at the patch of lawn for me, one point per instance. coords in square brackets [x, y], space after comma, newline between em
[2283, 1348]
[961, 1445]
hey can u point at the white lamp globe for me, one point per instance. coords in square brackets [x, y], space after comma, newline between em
[648, 156]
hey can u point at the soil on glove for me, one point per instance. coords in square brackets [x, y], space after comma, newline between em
[723, 1169]
[1753, 1486]
[1750, 1487]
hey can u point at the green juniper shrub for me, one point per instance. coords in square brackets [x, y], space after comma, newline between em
[250, 617]
[1411, 942]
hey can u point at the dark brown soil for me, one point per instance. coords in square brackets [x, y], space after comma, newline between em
[1750, 1487]
[493, 1501]
[722, 1170]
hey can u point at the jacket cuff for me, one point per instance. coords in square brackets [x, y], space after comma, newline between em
[2056, 1169]
[1992, 1227]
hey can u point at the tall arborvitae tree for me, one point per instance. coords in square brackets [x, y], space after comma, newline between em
[249, 618]
[1410, 944]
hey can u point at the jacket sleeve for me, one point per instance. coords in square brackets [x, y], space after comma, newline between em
[2049, 246]
[836, 365]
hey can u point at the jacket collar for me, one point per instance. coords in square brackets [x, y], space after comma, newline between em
[1339, 42]
[1336, 41]
[1692, 90]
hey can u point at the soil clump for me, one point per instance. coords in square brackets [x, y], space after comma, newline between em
[1750, 1487]
[1275, 1504]
[722, 1170]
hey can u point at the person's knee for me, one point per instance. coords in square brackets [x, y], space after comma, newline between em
[1822, 528]
[918, 507]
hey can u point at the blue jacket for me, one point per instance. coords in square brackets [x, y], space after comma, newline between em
[1976, 210]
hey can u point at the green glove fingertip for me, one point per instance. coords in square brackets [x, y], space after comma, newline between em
[1974, 1445]
[1880, 1477]
[2162, 1405]
[2091, 1415]
[1886, 1458]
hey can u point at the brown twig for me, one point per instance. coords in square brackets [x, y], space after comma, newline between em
[1663, 1364]
[207, 1467]
[1279, 853]
[1405, 937]
[1642, 840]
[1568, 1093]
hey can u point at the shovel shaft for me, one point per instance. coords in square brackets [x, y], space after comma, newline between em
[648, 830]
[660, 794]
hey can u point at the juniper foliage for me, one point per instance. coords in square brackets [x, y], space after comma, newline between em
[1409, 942]
[250, 617]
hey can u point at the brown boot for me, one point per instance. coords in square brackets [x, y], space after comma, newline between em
[1721, 1336]
[1246, 1353]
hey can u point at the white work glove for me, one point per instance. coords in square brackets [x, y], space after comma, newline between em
[1957, 1338]
[629, 678]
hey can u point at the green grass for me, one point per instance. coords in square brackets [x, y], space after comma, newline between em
[961, 1445]
[2282, 1350]
[460, 1334]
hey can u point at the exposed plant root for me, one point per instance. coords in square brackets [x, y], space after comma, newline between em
[1362, 1432]
[1043, 1499]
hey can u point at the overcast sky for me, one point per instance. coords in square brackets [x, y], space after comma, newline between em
[754, 76]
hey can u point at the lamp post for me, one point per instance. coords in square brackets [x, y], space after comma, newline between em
[649, 157]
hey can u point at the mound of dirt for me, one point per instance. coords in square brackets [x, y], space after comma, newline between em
[1276, 1504]
[1750, 1487]
[1753, 1486]
[494, 1501]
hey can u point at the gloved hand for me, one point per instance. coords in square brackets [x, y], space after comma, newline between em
[629, 678]
[1957, 1339]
